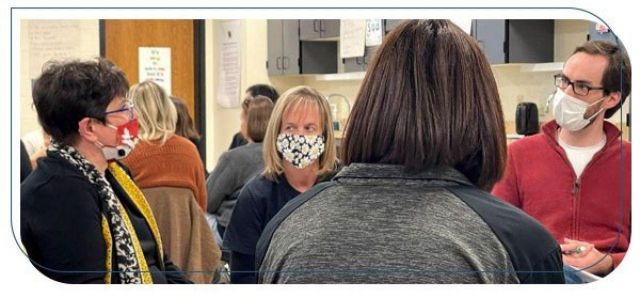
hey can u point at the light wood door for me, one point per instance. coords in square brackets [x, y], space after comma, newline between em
[122, 38]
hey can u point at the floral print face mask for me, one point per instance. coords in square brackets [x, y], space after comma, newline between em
[300, 150]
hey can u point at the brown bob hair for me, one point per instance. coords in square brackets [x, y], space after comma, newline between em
[429, 99]
[257, 111]
[184, 125]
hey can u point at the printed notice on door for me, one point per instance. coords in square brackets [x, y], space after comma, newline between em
[228, 89]
[155, 65]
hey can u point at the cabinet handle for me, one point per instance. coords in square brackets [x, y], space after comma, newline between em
[322, 26]
[278, 62]
[285, 64]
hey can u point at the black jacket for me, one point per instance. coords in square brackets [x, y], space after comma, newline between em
[61, 226]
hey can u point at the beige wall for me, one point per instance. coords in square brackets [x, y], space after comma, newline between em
[223, 123]
[43, 40]
[514, 82]
[567, 35]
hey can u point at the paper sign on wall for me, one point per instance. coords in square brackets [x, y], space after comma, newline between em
[228, 89]
[352, 35]
[52, 40]
[155, 65]
[374, 32]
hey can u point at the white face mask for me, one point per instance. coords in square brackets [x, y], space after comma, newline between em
[300, 150]
[569, 111]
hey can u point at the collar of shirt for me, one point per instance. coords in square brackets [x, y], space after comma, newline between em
[377, 174]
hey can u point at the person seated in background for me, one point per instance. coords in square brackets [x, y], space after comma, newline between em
[169, 170]
[83, 219]
[235, 167]
[184, 124]
[36, 143]
[35, 140]
[299, 151]
[185, 127]
[423, 142]
[575, 176]
[253, 91]
[163, 158]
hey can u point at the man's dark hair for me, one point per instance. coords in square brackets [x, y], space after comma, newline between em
[264, 90]
[617, 76]
[68, 91]
[429, 99]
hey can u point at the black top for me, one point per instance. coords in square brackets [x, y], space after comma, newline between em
[534, 253]
[238, 140]
[25, 162]
[61, 226]
[259, 201]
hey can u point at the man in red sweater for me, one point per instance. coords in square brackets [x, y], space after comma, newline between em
[575, 176]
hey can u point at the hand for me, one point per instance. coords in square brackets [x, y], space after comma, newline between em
[584, 255]
[42, 152]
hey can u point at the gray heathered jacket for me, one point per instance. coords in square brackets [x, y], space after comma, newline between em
[377, 224]
[235, 167]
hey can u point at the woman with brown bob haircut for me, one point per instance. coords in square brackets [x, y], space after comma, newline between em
[425, 136]
[435, 105]
[238, 165]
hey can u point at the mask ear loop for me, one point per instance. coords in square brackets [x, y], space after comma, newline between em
[549, 99]
[592, 117]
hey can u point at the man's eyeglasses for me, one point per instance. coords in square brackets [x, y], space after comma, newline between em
[127, 107]
[579, 88]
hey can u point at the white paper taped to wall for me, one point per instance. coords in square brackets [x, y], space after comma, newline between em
[52, 39]
[352, 37]
[374, 32]
[229, 72]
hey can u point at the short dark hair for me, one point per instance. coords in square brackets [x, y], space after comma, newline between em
[429, 99]
[184, 125]
[68, 91]
[264, 90]
[257, 111]
[617, 76]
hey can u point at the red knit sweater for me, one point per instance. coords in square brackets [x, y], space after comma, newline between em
[176, 163]
[596, 207]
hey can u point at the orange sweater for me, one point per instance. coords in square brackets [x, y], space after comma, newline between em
[176, 163]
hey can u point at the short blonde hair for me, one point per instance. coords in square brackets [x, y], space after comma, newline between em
[293, 97]
[157, 114]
